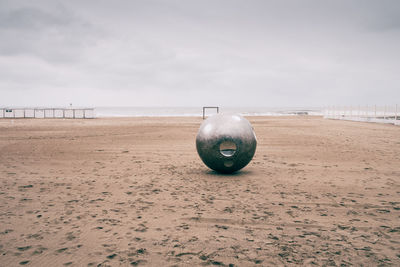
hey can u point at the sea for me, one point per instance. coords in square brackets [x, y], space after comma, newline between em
[104, 112]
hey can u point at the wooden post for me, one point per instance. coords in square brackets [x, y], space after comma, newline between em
[73, 113]
[384, 112]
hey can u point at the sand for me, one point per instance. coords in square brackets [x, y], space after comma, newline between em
[133, 191]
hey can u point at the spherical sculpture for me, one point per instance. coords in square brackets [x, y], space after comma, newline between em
[226, 143]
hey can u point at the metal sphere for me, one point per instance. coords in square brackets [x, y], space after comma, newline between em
[226, 143]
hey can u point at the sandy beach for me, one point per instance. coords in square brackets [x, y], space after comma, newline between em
[133, 191]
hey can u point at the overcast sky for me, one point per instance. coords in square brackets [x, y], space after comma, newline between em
[196, 53]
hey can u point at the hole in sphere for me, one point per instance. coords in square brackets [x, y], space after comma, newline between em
[228, 163]
[227, 148]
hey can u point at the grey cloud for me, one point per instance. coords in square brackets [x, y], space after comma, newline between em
[55, 36]
[31, 18]
[174, 52]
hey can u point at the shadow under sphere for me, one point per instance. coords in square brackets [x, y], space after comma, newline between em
[226, 143]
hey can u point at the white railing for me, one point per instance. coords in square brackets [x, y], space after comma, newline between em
[44, 113]
[368, 113]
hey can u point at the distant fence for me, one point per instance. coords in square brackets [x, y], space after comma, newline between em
[44, 113]
[379, 114]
